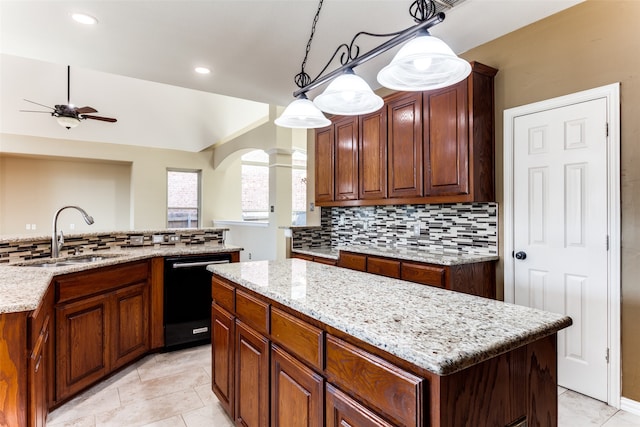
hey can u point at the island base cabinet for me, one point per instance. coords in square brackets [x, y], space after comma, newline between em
[296, 391]
[222, 361]
[251, 378]
[341, 410]
[131, 324]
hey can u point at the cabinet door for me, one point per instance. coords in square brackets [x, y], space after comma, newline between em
[130, 324]
[346, 177]
[404, 115]
[296, 392]
[352, 261]
[251, 377]
[222, 361]
[344, 411]
[373, 155]
[324, 164]
[38, 375]
[446, 141]
[82, 342]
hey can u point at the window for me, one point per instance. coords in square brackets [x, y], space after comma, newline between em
[183, 199]
[299, 188]
[255, 186]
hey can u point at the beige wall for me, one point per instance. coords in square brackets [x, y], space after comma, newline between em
[592, 44]
[147, 192]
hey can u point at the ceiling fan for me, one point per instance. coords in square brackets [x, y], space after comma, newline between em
[68, 115]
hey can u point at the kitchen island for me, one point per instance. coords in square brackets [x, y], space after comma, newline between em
[302, 343]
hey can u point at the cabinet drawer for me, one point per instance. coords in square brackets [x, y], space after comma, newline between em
[253, 312]
[425, 274]
[383, 267]
[297, 336]
[380, 384]
[85, 283]
[223, 294]
[353, 261]
[327, 261]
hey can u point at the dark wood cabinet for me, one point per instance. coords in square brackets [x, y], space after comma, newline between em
[319, 259]
[102, 323]
[405, 164]
[222, 357]
[478, 278]
[446, 141]
[342, 410]
[346, 158]
[297, 392]
[372, 155]
[41, 361]
[251, 377]
[425, 147]
[324, 164]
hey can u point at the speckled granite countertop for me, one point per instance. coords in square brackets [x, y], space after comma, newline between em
[22, 287]
[400, 252]
[438, 330]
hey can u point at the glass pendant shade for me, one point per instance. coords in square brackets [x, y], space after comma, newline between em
[424, 63]
[302, 113]
[348, 95]
[67, 122]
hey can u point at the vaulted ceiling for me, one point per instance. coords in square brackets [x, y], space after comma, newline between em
[137, 63]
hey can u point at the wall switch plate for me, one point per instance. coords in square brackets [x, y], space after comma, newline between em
[136, 240]
[157, 238]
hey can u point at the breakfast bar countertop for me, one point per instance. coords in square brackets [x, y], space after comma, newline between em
[438, 330]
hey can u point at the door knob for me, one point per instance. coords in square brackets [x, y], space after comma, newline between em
[521, 255]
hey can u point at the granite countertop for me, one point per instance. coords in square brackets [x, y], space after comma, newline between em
[438, 330]
[406, 253]
[22, 287]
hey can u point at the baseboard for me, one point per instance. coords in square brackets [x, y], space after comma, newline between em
[630, 406]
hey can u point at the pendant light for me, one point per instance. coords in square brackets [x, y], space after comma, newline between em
[302, 113]
[348, 95]
[424, 63]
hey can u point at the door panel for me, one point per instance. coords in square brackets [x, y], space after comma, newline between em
[560, 222]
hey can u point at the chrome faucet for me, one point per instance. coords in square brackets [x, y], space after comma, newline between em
[56, 244]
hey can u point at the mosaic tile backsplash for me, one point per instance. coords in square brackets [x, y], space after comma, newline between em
[24, 249]
[460, 227]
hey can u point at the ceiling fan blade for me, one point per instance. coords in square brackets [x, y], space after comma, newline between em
[85, 110]
[104, 119]
[34, 111]
[37, 103]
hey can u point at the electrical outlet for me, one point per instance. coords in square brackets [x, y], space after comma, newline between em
[273, 209]
[27, 227]
[72, 226]
[312, 207]
[249, 255]
[174, 238]
[416, 230]
[341, 220]
[136, 240]
[33, 226]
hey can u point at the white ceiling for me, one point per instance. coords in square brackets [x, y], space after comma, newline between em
[137, 63]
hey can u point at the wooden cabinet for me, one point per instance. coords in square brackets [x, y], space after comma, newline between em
[422, 147]
[404, 115]
[222, 360]
[251, 377]
[342, 410]
[372, 155]
[477, 278]
[319, 259]
[41, 361]
[346, 162]
[102, 323]
[324, 164]
[297, 392]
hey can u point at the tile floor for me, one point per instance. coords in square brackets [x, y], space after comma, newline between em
[174, 390]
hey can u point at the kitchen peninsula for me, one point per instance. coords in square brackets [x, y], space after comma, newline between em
[322, 345]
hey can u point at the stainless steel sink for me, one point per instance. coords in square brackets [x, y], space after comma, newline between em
[65, 262]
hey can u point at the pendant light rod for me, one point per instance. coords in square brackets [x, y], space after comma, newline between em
[400, 38]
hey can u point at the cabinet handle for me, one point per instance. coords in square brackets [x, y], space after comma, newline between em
[37, 368]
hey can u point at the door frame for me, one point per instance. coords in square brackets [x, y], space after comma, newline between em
[612, 94]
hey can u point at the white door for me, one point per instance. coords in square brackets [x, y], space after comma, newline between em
[560, 237]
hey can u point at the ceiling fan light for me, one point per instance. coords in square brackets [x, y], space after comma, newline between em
[424, 63]
[302, 114]
[67, 122]
[349, 95]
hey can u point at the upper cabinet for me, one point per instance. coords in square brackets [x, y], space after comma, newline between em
[421, 147]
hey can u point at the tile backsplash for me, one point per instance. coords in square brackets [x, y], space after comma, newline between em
[460, 227]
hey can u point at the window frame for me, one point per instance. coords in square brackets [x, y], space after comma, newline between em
[198, 173]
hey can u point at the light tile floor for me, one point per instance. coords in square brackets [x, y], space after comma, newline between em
[174, 390]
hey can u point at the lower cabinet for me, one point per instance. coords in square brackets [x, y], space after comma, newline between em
[98, 333]
[344, 411]
[297, 392]
[222, 363]
[251, 377]
[41, 358]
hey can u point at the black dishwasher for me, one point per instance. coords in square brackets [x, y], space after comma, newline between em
[187, 299]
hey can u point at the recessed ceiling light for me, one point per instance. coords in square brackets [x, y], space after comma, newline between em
[202, 70]
[84, 18]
